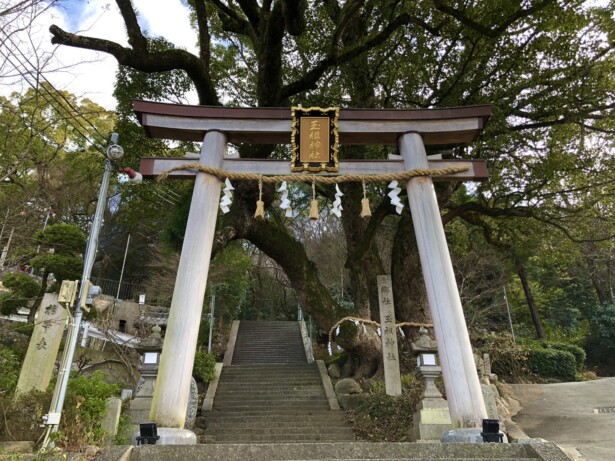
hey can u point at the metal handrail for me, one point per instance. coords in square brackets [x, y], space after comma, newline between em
[306, 334]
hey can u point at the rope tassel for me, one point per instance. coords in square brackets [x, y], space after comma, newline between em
[259, 215]
[314, 214]
[365, 211]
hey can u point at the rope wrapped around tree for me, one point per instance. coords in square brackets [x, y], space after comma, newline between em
[374, 324]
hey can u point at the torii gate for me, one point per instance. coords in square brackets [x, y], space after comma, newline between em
[411, 130]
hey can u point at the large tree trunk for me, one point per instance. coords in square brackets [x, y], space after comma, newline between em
[408, 285]
[522, 272]
[363, 258]
[600, 277]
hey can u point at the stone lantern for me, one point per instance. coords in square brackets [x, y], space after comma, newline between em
[149, 349]
[432, 417]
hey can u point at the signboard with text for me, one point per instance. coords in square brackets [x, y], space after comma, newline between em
[315, 139]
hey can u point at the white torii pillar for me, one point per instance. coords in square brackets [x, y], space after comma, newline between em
[172, 387]
[463, 390]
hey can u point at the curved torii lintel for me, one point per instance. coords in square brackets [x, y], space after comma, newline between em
[272, 125]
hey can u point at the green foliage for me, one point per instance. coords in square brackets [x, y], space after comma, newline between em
[84, 408]
[23, 289]
[551, 363]
[21, 415]
[10, 366]
[230, 280]
[600, 341]
[204, 366]
[21, 284]
[508, 359]
[9, 304]
[65, 239]
[578, 353]
[61, 248]
[382, 418]
[536, 358]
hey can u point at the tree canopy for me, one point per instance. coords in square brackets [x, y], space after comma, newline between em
[545, 66]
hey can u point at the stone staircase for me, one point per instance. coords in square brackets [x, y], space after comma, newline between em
[270, 394]
[270, 405]
[268, 343]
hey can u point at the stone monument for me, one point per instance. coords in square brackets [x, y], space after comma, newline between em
[390, 352]
[45, 342]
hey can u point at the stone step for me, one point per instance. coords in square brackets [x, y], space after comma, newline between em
[278, 371]
[337, 451]
[274, 422]
[267, 357]
[249, 409]
[282, 438]
[289, 394]
[259, 395]
[269, 342]
[271, 401]
[271, 379]
[259, 375]
[247, 384]
[269, 367]
[265, 430]
[320, 417]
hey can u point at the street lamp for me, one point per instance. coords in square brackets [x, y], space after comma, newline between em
[52, 419]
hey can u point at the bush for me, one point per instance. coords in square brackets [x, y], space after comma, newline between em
[552, 363]
[9, 364]
[23, 288]
[578, 352]
[20, 417]
[84, 408]
[382, 418]
[508, 359]
[204, 366]
[600, 342]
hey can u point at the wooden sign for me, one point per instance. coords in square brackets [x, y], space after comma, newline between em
[314, 139]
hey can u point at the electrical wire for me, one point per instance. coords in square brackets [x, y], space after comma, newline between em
[46, 94]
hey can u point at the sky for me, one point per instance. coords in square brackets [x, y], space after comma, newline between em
[90, 74]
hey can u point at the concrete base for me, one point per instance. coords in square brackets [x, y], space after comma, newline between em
[344, 451]
[430, 424]
[172, 436]
[431, 420]
[466, 436]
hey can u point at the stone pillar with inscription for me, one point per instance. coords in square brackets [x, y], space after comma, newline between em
[45, 342]
[390, 353]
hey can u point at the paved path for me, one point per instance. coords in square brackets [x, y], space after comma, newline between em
[564, 414]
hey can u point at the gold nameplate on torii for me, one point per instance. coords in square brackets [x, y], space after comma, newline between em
[314, 139]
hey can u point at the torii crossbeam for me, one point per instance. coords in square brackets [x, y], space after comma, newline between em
[411, 130]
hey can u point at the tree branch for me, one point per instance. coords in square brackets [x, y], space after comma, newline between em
[250, 9]
[135, 37]
[145, 61]
[311, 77]
[491, 32]
[200, 10]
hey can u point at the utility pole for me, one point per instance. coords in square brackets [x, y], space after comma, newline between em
[512, 330]
[119, 285]
[5, 251]
[4, 224]
[211, 320]
[52, 419]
